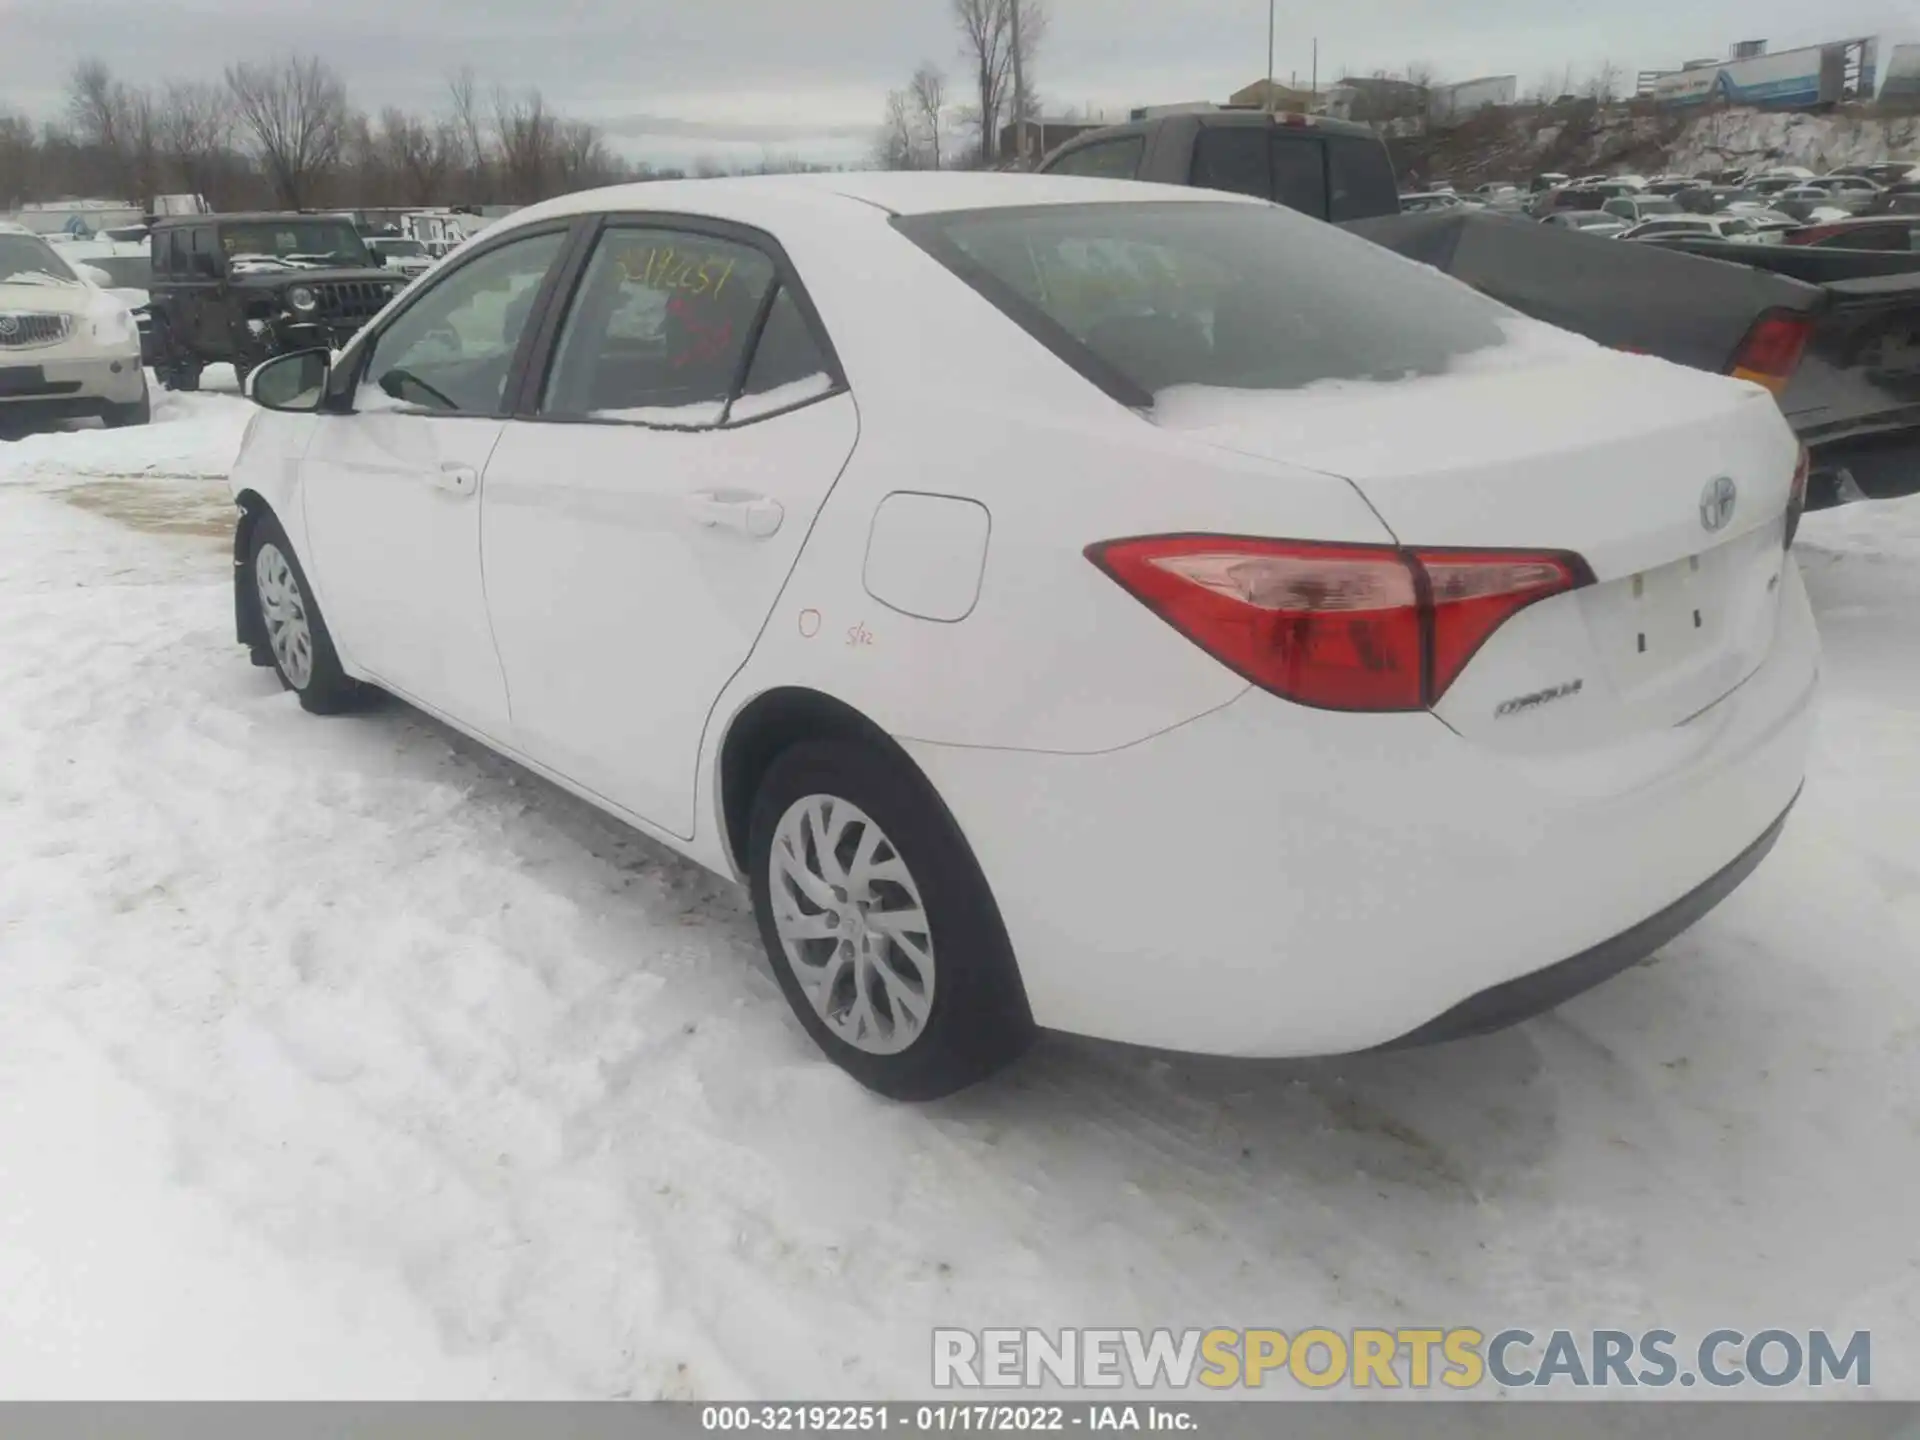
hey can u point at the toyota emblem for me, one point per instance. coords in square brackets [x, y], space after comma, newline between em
[1717, 502]
[9, 325]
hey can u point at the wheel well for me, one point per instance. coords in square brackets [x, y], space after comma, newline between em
[771, 723]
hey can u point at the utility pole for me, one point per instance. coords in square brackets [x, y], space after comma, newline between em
[1316, 67]
[1269, 57]
[1019, 89]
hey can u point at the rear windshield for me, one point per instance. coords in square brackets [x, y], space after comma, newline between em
[1144, 297]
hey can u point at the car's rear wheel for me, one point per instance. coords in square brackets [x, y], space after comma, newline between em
[879, 925]
[297, 638]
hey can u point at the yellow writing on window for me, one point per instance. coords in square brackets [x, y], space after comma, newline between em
[682, 272]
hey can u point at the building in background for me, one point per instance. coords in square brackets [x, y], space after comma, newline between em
[1042, 135]
[1447, 103]
[1272, 95]
[1900, 80]
[1814, 75]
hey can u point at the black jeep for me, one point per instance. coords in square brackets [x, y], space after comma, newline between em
[244, 288]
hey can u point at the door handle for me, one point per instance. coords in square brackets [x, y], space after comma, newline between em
[758, 516]
[460, 479]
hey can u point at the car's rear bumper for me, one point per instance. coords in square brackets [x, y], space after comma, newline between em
[1275, 881]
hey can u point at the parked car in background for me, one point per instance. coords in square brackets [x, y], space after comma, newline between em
[242, 288]
[1806, 203]
[1322, 638]
[400, 254]
[1866, 232]
[1635, 208]
[1900, 198]
[1589, 222]
[68, 346]
[1330, 169]
[128, 267]
[1719, 227]
[1673, 184]
[1713, 199]
[1852, 193]
[1883, 172]
[1548, 180]
[1430, 200]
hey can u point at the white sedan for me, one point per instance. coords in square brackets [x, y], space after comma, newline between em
[1142, 612]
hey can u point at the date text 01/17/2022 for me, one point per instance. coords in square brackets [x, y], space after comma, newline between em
[985, 1419]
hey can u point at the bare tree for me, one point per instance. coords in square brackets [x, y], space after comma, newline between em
[581, 159]
[99, 110]
[467, 126]
[526, 137]
[1605, 84]
[195, 124]
[930, 101]
[415, 156]
[986, 28]
[897, 146]
[295, 114]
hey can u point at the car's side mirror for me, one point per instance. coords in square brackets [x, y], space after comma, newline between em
[94, 275]
[296, 382]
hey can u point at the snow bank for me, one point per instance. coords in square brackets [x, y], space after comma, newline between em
[193, 436]
[1876, 529]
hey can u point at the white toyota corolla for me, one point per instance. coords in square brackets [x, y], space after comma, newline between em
[1140, 612]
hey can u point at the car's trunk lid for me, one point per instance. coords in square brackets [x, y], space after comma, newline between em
[1624, 460]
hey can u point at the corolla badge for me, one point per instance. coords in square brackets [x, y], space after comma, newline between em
[1717, 501]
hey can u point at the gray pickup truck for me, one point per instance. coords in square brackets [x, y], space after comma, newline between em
[1834, 333]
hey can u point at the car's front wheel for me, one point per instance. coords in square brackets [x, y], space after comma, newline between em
[296, 633]
[880, 927]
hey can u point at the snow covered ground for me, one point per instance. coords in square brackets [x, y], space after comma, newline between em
[338, 1058]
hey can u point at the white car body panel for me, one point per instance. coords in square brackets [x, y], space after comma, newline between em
[1181, 858]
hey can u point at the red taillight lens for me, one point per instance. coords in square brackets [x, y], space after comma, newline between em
[1339, 627]
[1771, 352]
[1797, 495]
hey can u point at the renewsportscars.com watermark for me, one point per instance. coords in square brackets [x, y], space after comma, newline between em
[1404, 1358]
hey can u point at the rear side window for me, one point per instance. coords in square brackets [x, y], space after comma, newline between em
[1359, 179]
[788, 368]
[1300, 174]
[1233, 157]
[1108, 160]
[1143, 298]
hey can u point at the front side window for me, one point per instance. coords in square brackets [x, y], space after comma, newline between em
[658, 328]
[1146, 297]
[1109, 160]
[451, 350]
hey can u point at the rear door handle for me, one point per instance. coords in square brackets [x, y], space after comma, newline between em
[460, 479]
[758, 516]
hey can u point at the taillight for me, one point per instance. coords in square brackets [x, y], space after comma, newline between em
[1338, 627]
[1771, 352]
[1797, 495]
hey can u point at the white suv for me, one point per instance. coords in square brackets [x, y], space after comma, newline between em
[67, 346]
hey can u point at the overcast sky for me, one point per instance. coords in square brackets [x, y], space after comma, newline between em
[726, 77]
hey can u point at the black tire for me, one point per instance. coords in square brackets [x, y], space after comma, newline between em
[327, 689]
[140, 412]
[978, 1021]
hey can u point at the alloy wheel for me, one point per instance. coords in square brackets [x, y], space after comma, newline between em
[852, 924]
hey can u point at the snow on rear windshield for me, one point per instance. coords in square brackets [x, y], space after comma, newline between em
[1147, 297]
